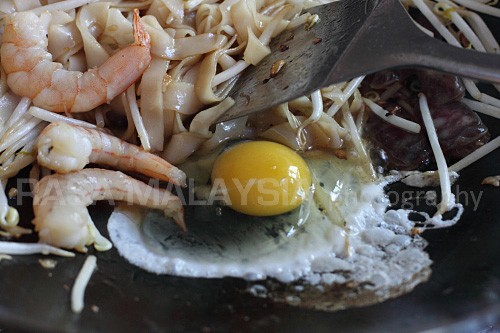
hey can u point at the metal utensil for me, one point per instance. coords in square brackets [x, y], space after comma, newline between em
[352, 38]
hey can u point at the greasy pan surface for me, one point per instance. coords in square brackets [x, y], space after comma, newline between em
[464, 286]
[462, 294]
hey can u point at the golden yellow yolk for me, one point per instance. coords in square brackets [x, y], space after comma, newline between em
[262, 178]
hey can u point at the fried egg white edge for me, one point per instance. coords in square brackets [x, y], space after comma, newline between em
[125, 232]
[369, 227]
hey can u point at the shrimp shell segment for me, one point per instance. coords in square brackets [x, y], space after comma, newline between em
[60, 204]
[31, 71]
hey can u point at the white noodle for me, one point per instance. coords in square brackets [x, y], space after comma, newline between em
[241, 65]
[358, 143]
[19, 111]
[266, 35]
[226, 61]
[224, 89]
[21, 160]
[81, 282]
[467, 31]
[479, 7]
[391, 118]
[476, 94]
[347, 93]
[271, 7]
[18, 133]
[436, 23]
[476, 155]
[333, 95]
[447, 35]
[482, 30]
[32, 248]
[136, 116]
[447, 201]
[140, 4]
[129, 132]
[24, 140]
[202, 121]
[52, 117]
[230, 72]
[490, 110]
[292, 120]
[359, 105]
[484, 33]
[317, 111]
[62, 5]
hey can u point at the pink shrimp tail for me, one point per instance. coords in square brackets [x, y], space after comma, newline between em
[178, 217]
[141, 36]
[156, 167]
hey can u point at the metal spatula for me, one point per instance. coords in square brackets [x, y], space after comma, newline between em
[352, 38]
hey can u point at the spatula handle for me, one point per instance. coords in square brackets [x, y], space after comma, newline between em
[390, 39]
[432, 53]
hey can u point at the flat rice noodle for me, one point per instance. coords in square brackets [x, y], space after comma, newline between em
[181, 146]
[88, 21]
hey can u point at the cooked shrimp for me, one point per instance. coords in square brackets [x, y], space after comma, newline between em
[65, 148]
[32, 73]
[60, 204]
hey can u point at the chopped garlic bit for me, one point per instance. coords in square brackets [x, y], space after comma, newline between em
[276, 67]
[493, 180]
[311, 21]
[12, 192]
[317, 40]
[9, 218]
[101, 243]
[81, 282]
[47, 263]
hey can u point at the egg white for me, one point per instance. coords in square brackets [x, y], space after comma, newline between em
[340, 234]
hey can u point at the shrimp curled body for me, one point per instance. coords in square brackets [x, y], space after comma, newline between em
[32, 73]
[66, 148]
[60, 204]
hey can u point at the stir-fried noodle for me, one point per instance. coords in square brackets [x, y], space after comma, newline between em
[158, 78]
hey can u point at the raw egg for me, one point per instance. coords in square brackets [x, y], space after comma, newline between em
[262, 178]
[342, 234]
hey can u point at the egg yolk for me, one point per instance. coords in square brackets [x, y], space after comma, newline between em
[262, 178]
